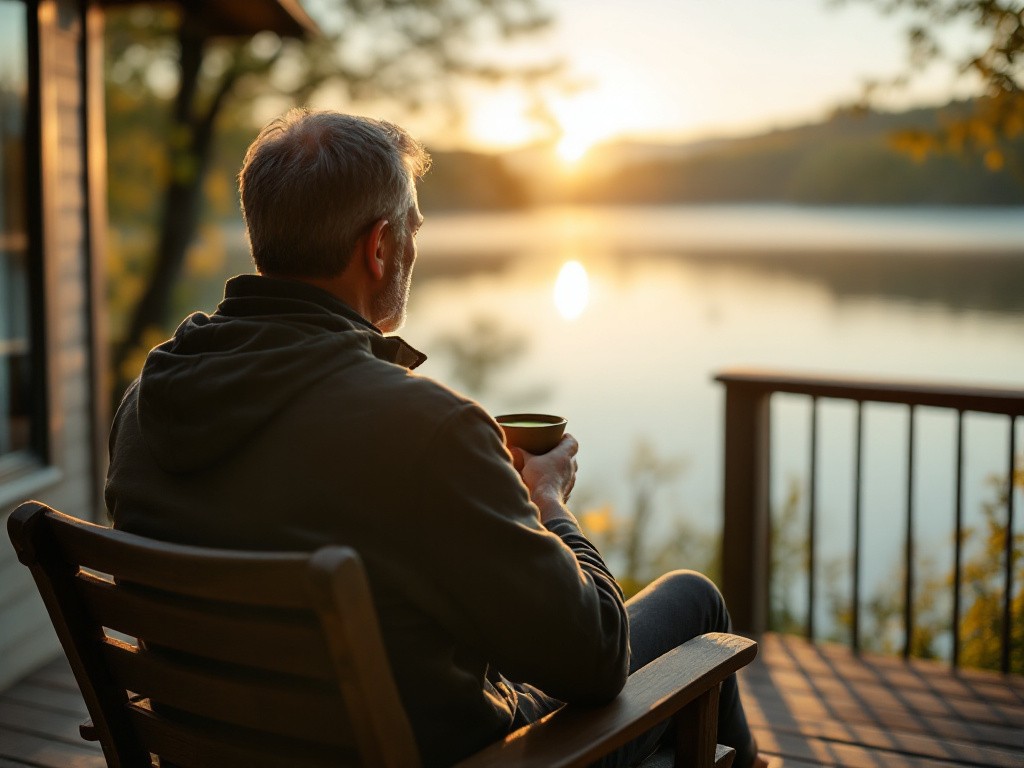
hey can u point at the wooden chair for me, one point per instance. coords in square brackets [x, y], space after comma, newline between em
[206, 657]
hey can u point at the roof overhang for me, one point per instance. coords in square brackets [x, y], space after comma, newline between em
[243, 17]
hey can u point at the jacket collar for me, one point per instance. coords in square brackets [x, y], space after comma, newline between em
[392, 349]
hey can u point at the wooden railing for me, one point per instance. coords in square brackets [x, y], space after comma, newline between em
[746, 533]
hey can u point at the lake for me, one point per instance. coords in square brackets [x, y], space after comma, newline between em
[659, 299]
[675, 294]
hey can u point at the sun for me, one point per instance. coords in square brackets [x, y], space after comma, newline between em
[571, 149]
[585, 120]
[498, 121]
[572, 290]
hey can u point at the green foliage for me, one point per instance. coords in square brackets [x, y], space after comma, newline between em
[650, 539]
[789, 559]
[983, 575]
[982, 595]
[467, 180]
[479, 355]
[993, 128]
[882, 617]
[882, 631]
[414, 52]
[852, 159]
[173, 92]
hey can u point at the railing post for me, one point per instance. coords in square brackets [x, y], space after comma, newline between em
[746, 528]
[746, 531]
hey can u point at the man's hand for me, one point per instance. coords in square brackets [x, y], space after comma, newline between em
[549, 477]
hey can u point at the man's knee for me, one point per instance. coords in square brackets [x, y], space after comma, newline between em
[693, 582]
[674, 609]
[701, 593]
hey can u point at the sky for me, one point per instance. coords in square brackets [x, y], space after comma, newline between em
[669, 70]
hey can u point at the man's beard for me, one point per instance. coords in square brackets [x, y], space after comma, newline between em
[391, 303]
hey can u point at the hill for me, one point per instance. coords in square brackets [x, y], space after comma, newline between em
[850, 159]
[468, 180]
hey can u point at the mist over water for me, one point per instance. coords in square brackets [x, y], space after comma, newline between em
[678, 294]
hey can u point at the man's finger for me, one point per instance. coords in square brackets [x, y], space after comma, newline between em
[518, 459]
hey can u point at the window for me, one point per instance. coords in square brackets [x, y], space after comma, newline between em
[18, 427]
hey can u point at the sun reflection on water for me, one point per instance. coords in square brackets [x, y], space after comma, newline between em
[572, 290]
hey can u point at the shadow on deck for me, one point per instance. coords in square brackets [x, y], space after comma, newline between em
[810, 705]
[820, 705]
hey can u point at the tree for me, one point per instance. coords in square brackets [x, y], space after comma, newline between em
[172, 84]
[984, 576]
[480, 354]
[997, 117]
[790, 560]
[983, 589]
[652, 538]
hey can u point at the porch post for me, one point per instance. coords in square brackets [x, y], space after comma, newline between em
[746, 525]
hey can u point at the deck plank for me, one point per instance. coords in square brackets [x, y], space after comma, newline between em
[823, 752]
[48, 753]
[39, 720]
[823, 705]
[779, 710]
[27, 692]
[916, 674]
[57, 674]
[891, 740]
[877, 699]
[809, 705]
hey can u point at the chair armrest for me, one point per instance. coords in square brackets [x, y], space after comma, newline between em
[576, 736]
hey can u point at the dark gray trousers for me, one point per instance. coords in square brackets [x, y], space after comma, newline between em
[677, 607]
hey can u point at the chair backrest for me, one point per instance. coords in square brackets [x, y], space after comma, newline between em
[209, 657]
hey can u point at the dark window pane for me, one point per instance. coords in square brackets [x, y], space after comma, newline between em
[15, 380]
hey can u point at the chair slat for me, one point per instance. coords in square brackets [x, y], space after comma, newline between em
[259, 579]
[210, 630]
[197, 746]
[274, 640]
[220, 661]
[271, 704]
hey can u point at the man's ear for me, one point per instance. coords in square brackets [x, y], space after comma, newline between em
[375, 246]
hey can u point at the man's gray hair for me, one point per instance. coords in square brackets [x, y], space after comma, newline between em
[312, 183]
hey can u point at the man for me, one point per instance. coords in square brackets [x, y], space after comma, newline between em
[287, 420]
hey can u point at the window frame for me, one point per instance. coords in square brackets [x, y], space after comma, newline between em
[37, 454]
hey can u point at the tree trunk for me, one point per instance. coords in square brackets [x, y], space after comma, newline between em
[190, 148]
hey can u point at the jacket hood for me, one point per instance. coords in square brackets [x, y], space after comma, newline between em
[223, 376]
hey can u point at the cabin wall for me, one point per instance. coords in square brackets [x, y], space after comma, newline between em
[66, 476]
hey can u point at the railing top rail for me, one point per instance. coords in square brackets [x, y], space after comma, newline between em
[961, 397]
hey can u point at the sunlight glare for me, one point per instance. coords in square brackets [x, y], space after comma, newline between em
[585, 120]
[498, 121]
[571, 149]
[572, 290]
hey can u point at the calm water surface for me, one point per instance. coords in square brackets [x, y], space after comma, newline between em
[626, 345]
[670, 296]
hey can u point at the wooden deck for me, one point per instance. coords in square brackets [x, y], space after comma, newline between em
[821, 705]
[808, 706]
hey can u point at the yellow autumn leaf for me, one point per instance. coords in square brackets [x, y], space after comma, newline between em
[994, 160]
[597, 521]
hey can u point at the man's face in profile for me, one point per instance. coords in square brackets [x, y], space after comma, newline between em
[391, 303]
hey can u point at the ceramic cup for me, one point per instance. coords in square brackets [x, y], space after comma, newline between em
[532, 432]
